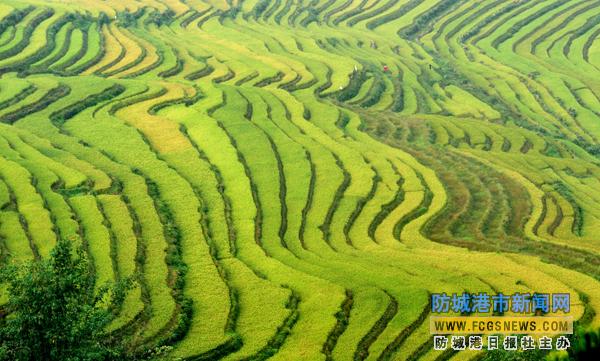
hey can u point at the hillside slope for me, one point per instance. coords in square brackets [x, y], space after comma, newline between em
[293, 179]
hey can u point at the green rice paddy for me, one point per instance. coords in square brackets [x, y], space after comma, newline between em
[291, 180]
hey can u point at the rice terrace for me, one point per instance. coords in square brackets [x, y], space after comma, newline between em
[295, 179]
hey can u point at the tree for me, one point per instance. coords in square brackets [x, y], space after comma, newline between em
[585, 345]
[54, 311]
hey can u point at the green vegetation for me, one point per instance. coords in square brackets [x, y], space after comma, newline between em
[54, 312]
[292, 179]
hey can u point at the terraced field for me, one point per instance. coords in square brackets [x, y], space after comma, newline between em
[292, 179]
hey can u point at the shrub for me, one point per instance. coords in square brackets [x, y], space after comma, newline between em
[128, 19]
[159, 19]
[54, 312]
[61, 116]
[260, 7]
[424, 20]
